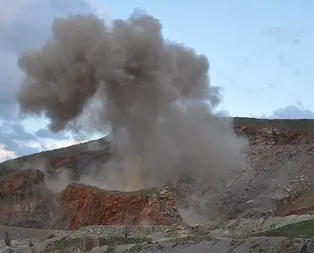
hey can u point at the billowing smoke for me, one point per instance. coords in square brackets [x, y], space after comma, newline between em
[155, 95]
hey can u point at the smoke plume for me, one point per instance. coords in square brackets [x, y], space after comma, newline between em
[155, 95]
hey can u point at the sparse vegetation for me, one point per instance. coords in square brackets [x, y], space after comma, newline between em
[111, 241]
[297, 124]
[126, 227]
[64, 245]
[67, 244]
[304, 229]
[143, 192]
[30, 244]
[7, 239]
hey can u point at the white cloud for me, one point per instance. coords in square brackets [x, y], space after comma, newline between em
[24, 25]
[6, 154]
[101, 10]
[292, 112]
[52, 144]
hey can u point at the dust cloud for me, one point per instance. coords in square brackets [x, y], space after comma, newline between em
[154, 95]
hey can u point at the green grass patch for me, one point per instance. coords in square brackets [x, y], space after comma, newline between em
[304, 229]
[143, 192]
[64, 245]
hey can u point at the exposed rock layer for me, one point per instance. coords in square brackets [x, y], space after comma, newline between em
[84, 205]
[24, 200]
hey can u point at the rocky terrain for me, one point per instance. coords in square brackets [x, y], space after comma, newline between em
[268, 207]
[87, 205]
[281, 168]
[25, 202]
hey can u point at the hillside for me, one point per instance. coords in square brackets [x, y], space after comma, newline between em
[99, 150]
[294, 124]
[74, 157]
[276, 183]
[281, 165]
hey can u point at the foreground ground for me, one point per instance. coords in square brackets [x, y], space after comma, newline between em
[268, 235]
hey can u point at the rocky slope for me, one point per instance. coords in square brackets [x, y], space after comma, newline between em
[258, 202]
[25, 201]
[277, 180]
[280, 171]
[76, 158]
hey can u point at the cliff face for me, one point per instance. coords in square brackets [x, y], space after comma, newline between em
[24, 200]
[280, 170]
[84, 205]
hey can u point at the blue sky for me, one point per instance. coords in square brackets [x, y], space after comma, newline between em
[261, 55]
[261, 52]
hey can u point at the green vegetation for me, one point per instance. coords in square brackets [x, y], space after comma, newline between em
[142, 192]
[111, 241]
[296, 124]
[69, 244]
[135, 243]
[304, 229]
[64, 245]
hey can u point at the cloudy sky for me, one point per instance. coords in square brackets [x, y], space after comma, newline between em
[261, 54]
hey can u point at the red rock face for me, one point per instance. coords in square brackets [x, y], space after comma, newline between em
[86, 205]
[19, 183]
[24, 200]
[61, 162]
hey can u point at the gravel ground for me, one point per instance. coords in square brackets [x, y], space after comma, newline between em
[164, 239]
[17, 233]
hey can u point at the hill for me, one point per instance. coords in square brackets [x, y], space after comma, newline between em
[277, 182]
